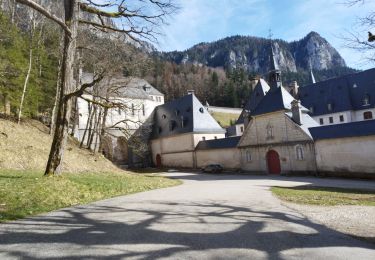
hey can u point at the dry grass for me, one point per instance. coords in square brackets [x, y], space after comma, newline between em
[224, 119]
[26, 147]
[325, 196]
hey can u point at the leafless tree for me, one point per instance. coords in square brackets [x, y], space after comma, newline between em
[362, 39]
[135, 19]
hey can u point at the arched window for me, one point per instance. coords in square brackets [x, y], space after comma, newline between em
[366, 100]
[248, 156]
[367, 115]
[299, 153]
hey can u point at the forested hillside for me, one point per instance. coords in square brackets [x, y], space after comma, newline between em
[15, 46]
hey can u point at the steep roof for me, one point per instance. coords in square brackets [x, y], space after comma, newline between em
[260, 90]
[353, 129]
[343, 93]
[222, 143]
[183, 115]
[125, 87]
[306, 122]
[275, 100]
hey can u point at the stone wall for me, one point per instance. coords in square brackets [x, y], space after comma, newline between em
[229, 158]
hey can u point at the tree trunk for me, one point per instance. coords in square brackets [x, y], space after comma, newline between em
[102, 130]
[55, 159]
[87, 125]
[29, 69]
[54, 110]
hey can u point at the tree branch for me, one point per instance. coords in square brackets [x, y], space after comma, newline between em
[46, 13]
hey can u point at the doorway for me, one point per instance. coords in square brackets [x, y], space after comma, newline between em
[273, 162]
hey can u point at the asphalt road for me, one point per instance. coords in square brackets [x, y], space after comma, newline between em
[208, 217]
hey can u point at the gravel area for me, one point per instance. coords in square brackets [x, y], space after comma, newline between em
[358, 221]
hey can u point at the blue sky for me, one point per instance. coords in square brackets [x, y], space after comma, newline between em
[210, 20]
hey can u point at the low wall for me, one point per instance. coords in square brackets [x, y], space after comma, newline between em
[229, 158]
[342, 156]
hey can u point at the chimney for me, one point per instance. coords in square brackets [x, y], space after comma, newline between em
[296, 111]
[191, 92]
[294, 88]
[246, 118]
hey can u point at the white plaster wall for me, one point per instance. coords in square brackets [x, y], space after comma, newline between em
[349, 116]
[228, 158]
[346, 155]
[179, 160]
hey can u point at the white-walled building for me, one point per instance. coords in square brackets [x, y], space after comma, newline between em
[178, 127]
[345, 99]
[135, 101]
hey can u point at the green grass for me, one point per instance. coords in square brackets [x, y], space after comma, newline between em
[325, 196]
[225, 118]
[29, 193]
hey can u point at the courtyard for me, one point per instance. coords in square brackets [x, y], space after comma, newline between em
[222, 216]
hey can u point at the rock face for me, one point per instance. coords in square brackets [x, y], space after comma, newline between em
[252, 54]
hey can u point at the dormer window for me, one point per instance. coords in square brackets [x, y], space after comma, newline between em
[312, 110]
[177, 112]
[172, 125]
[366, 100]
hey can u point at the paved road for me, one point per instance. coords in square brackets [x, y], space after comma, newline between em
[208, 217]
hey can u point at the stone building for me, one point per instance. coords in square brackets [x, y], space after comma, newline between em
[137, 99]
[178, 127]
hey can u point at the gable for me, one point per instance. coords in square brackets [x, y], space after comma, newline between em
[273, 128]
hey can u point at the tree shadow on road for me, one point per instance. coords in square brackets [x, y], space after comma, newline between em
[162, 229]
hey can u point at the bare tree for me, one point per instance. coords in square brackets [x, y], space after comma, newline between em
[362, 39]
[137, 22]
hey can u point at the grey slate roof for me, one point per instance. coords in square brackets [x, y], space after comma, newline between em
[276, 99]
[306, 122]
[125, 87]
[222, 143]
[183, 115]
[258, 93]
[353, 129]
[344, 93]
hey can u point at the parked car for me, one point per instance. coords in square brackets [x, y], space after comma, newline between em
[212, 168]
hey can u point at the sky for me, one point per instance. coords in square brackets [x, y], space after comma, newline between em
[210, 20]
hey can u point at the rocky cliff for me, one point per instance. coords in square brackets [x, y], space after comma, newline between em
[252, 54]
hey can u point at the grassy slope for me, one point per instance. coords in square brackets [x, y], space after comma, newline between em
[324, 196]
[224, 118]
[28, 193]
[26, 147]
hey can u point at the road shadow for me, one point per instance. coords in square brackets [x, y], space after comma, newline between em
[92, 232]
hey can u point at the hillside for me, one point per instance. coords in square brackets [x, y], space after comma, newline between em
[26, 147]
[252, 54]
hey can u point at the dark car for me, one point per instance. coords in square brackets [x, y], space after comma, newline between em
[212, 168]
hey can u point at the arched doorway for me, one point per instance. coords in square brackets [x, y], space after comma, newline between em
[273, 162]
[158, 161]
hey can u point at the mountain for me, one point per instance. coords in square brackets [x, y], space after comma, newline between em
[252, 54]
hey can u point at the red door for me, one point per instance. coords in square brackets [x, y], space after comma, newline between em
[158, 161]
[273, 162]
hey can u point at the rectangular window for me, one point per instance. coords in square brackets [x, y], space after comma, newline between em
[367, 115]
[133, 110]
[241, 129]
[321, 121]
[119, 111]
[341, 118]
[331, 120]
[143, 109]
